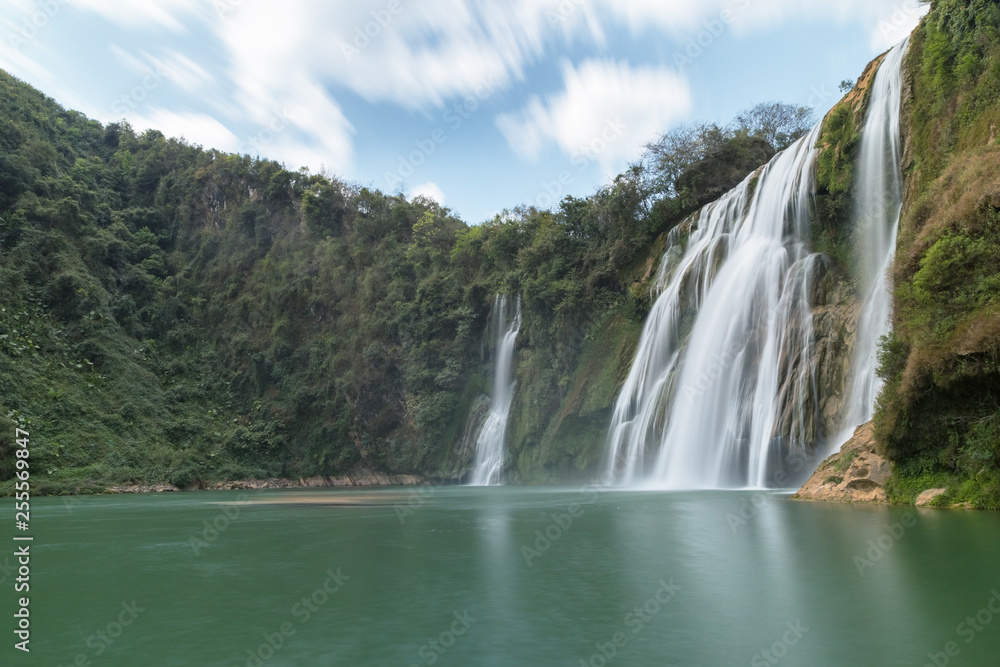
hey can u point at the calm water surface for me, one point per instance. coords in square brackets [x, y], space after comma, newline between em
[504, 576]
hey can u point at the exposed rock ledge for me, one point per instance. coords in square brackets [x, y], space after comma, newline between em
[363, 479]
[855, 474]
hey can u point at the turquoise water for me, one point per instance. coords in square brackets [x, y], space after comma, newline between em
[461, 576]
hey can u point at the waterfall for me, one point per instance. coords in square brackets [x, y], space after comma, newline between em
[488, 468]
[879, 203]
[722, 392]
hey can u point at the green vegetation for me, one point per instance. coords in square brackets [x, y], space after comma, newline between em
[836, 169]
[938, 414]
[694, 165]
[175, 314]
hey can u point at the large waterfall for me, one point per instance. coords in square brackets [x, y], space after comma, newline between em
[488, 470]
[722, 392]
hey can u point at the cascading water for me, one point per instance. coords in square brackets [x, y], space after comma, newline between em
[722, 392]
[488, 467]
[880, 200]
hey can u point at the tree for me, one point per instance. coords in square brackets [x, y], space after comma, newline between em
[672, 153]
[323, 208]
[777, 123]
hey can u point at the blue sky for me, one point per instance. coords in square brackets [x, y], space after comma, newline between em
[481, 104]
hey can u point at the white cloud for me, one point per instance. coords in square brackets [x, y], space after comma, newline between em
[177, 67]
[418, 56]
[143, 14]
[684, 18]
[429, 190]
[184, 72]
[424, 56]
[196, 128]
[605, 112]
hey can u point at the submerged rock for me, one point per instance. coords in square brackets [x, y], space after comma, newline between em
[855, 474]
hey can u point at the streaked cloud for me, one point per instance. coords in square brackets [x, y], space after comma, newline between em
[605, 112]
[145, 14]
[234, 70]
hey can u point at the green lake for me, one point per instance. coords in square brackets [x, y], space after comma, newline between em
[503, 576]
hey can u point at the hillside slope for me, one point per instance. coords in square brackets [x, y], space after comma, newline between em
[175, 314]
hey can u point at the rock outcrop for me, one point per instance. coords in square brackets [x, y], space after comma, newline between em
[855, 474]
[926, 498]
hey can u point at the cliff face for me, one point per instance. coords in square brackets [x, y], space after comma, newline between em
[939, 418]
[573, 443]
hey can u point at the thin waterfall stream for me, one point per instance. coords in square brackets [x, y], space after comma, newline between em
[489, 461]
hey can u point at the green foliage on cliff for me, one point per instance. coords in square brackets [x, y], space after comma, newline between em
[836, 170]
[938, 415]
[170, 313]
[175, 314]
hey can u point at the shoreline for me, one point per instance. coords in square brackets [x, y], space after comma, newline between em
[366, 480]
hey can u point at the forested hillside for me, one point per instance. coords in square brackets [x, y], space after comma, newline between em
[176, 314]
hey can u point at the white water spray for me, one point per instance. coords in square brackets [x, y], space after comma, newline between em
[722, 392]
[880, 200]
[488, 467]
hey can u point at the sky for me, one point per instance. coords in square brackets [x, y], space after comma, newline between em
[482, 105]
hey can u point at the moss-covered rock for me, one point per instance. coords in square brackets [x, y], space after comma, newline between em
[936, 413]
